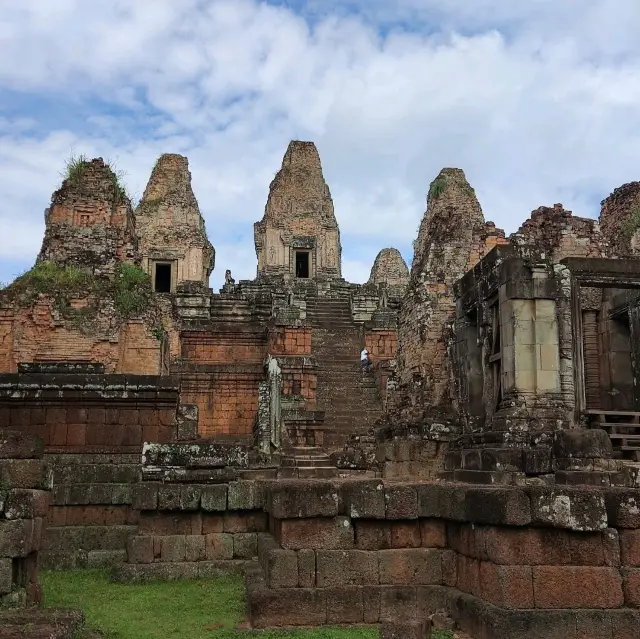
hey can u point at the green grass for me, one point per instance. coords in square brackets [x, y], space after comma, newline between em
[203, 609]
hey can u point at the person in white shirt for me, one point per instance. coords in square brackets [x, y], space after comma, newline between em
[364, 360]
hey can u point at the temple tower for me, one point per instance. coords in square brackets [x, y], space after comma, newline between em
[298, 237]
[171, 231]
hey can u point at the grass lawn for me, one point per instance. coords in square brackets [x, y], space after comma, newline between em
[202, 609]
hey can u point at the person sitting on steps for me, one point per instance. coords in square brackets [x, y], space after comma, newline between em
[364, 360]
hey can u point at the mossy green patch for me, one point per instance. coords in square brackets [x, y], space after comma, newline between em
[631, 224]
[437, 187]
[200, 609]
[128, 291]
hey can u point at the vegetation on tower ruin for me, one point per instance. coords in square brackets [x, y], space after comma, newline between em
[76, 168]
[631, 224]
[80, 296]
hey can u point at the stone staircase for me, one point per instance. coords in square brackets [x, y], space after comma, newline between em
[306, 462]
[350, 398]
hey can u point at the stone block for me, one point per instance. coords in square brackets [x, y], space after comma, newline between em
[346, 568]
[577, 587]
[195, 548]
[267, 608]
[631, 587]
[282, 568]
[306, 568]
[169, 497]
[345, 605]
[318, 534]
[190, 497]
[580, 509]
[527, 546]
[19, 445]
[173, 548]
[442, 501]
[291, 499]
[433, 533]
[245, 495]
[218, 546]
[401, 501]
[212, 524]
[372, 534]
[23, 503]
[371, 604]
[22, 473]
[140, 549]
[405, 630]
[497, 506]
[214, 498]
[507, 586]
[411, 566]
[6, 575]
[581, 443]
[449, 568]
[145, 496]
[398, 602]
[406, 534]
[16, 537]
[623, 507]
[595, 549]
[630, 547]
[365, 499]
[245, 545]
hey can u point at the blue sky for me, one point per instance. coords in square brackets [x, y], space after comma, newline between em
[537, 101]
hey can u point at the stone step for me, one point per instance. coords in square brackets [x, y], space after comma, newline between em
[307, 473]
[96, 473]
[298, 462]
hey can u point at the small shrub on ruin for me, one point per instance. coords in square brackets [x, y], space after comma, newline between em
[631, 224]
[75, 168]
[50, 279]
[132, 290]
[437, 187]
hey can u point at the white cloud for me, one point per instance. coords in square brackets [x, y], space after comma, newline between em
[536, 101]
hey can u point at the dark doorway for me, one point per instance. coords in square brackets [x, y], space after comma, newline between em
[302, 264]
[163, 278]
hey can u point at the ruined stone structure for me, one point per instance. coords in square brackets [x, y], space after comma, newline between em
[452, 237]
[298, 237]
[193, 432]
[90, 222]
[172, 236]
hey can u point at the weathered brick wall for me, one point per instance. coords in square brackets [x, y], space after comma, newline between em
[83, 413]
[452, 238]
[390, 268]
[620, 220]
[220, 348]
[557, 234]
[382, 344]
[90, 221]
[24, 502]
[506, 563]
[289, 340]
[7, 363]
[227, 399]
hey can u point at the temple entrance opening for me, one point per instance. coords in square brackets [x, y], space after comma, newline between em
[162, 280]
[302, 264]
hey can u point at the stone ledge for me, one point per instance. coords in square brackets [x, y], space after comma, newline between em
[141, 573]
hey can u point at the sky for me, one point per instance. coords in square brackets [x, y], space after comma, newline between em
[537, 101]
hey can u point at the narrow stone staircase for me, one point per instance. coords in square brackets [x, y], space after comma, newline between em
[306, 462]
[349, 397]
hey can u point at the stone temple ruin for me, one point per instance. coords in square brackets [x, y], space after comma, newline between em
[484, 470]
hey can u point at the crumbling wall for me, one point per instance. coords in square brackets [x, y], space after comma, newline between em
[24, 502]
[620, 220]
[169, 225]
[452, 238]
[390, 268]
[90, 222]
[553, 233]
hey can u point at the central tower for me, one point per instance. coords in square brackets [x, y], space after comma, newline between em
[298, 237]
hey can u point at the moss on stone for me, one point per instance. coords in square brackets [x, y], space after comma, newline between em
[128, 292]
[631, 224]
[437, 187]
